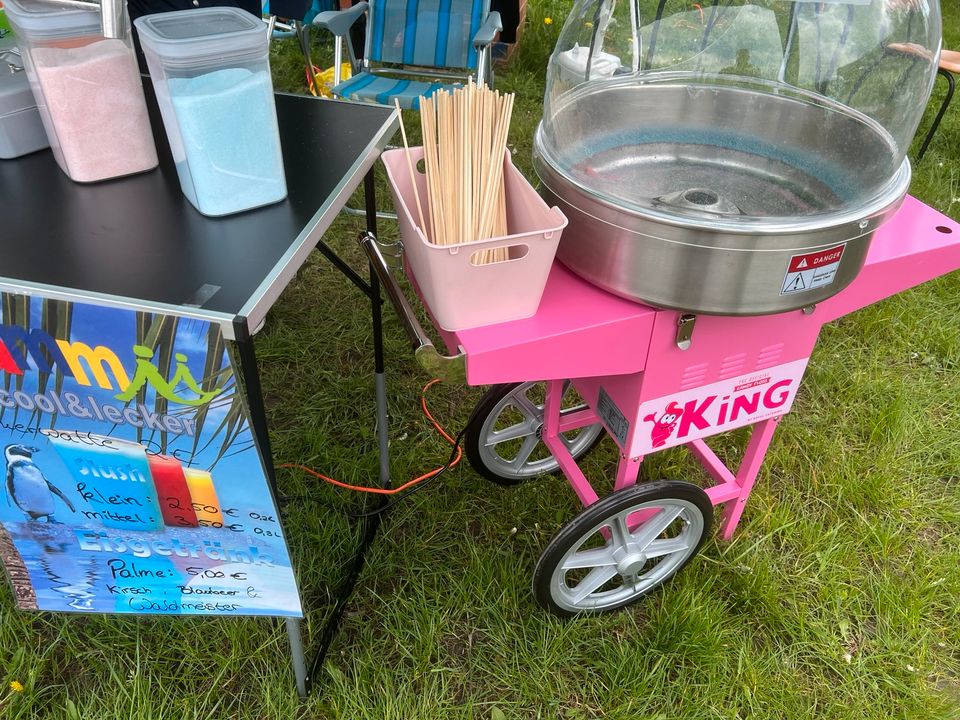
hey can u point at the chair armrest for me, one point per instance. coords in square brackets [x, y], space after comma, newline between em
[339, 22]
[491, 26]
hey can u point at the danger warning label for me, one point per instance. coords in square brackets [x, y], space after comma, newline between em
[812, 271]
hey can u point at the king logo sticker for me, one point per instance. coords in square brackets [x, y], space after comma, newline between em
[721, 406]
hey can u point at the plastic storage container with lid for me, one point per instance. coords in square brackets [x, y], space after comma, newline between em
[87, 89]
[211, 72]
[709, 157]
[21, 130]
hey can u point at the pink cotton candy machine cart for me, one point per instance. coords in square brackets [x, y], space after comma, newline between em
[743, 165]
[651, 379]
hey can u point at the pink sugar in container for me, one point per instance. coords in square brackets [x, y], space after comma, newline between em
[87, 89]
[459, 292]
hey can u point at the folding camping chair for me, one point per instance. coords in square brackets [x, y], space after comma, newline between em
[413, 48]
[292, 18]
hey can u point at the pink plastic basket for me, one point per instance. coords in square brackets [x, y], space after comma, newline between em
[459, 293]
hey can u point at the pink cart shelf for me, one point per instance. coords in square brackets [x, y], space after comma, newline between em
[654, 379]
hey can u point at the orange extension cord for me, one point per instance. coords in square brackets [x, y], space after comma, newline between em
[409, 484]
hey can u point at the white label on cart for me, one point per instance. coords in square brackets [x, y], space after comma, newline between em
[721, 406]
[812, 271]
[612, 417]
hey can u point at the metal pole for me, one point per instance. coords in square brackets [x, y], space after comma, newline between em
[113, 18]
[380, 381]
[299, 659]
[943, 108]
[370, 522]
[251, 385]
[258, 420]
[113, 15]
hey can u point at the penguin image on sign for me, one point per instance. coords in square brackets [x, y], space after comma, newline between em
[27, 487]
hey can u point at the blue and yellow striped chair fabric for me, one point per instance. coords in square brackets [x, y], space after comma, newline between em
[381, 89]
[425, 33]
[413, 40]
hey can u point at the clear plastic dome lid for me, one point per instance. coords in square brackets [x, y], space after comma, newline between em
[748, 113]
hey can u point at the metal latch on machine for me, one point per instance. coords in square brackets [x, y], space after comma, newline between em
[685, 331]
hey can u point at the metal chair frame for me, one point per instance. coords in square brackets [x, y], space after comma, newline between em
[951, 86]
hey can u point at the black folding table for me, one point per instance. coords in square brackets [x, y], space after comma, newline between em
[137, 243]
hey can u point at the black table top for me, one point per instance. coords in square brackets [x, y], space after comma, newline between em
[137, 242]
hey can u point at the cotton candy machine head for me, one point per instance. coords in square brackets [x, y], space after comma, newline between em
[732, 158]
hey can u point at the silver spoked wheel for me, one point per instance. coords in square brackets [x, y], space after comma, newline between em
[507, 446]
[622, 547]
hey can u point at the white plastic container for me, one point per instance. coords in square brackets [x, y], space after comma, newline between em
[21, 130]
[211, 72]
[87, 89]
[459, 291]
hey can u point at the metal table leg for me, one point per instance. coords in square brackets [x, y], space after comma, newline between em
[376, 307]
[299, 659]
[251, 383]
[247, 358]
[371, 522]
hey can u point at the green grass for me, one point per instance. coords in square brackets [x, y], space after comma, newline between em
[838, 597]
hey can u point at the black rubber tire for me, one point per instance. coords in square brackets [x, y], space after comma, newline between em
[606, 507]
[472, 441]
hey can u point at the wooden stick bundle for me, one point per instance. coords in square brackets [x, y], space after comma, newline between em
[464, 141]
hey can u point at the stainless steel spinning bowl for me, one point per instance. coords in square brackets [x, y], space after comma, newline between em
[697, 197]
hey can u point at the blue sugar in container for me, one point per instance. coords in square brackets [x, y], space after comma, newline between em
[211, 72]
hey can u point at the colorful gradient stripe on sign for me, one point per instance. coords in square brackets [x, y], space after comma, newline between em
[205, 500]
[176, 502]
